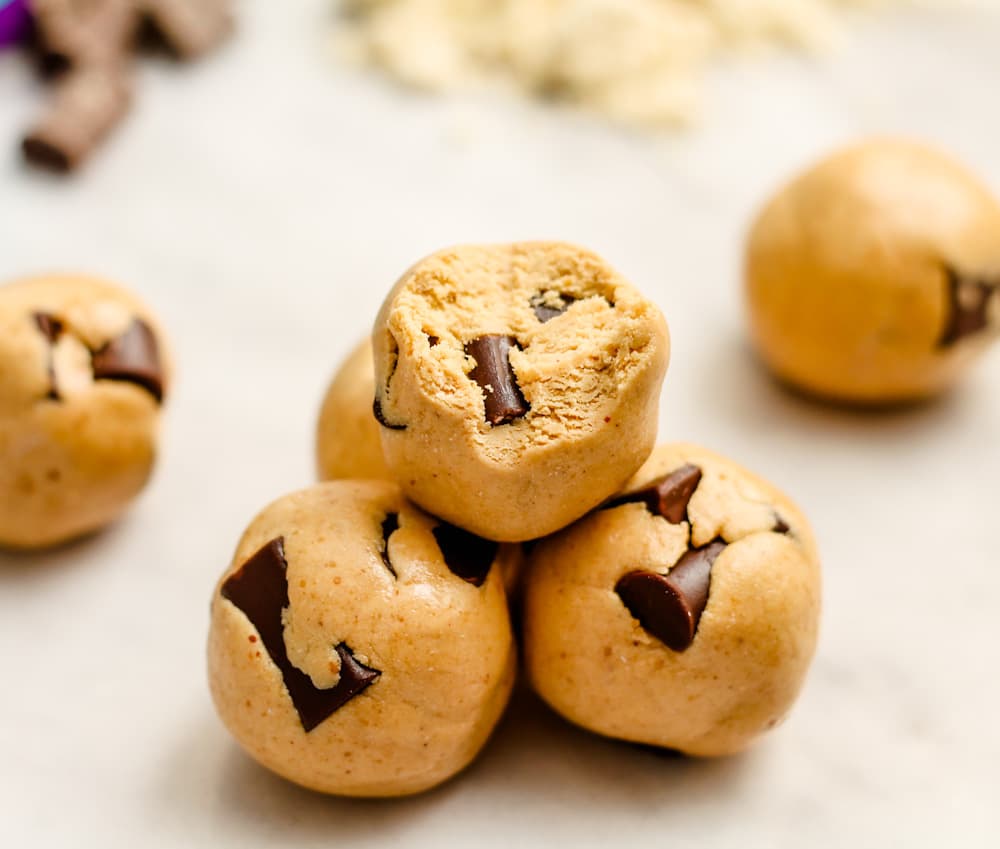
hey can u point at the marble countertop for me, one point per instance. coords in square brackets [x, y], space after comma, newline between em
[263, 202]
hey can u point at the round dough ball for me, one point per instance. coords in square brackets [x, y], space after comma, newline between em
[682, 614]
[83, 372]
[874, 277]
[517, 385]
[348, 444]
[359, 646]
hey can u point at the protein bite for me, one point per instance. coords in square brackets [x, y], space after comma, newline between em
[83, 374]
[682, 613]
[517, 385]
[348, 442]
[873, 278]
[359, 646]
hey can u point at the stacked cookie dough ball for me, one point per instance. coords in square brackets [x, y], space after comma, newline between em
[491, 446]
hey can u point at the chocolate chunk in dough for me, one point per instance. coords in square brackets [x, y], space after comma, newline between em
[668, 496]
[547, 309]
[260, 589]
[389, 526]
[466, 555]
[502, 396]
[670, 606]
[133, 357]
[968, 310]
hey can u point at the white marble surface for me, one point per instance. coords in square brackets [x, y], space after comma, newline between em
[263, 202]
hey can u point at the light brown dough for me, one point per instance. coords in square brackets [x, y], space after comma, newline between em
[348, 443]
[77, 443]
[874, 277]
[592, 659]
[370, 574]
[587, 358]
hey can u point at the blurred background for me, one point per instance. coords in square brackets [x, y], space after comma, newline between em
[264, 198]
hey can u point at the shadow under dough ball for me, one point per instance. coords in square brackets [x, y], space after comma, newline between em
[83, 374]
[358, 646]
[682, 613]
[348, 443]
[517, 385]
[874, 277]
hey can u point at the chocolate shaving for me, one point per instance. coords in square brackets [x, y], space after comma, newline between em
[389, 526]
[259, 588]
[466, 555]
[668, 496]
[669, 607]
[548, 309]
[968, 306]
[503, 401]
[133, 357]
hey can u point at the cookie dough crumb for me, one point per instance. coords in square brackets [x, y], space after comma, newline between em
[637, 62]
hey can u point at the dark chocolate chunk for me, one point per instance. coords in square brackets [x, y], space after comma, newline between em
[780, 525]
[546, 310]
[466, 555]
[968, 306]
[670, 606]
[668, 496]
[381, 419]
[133, 357]
[389, 526]
[502, 396]
[51, 327]
[260, 589]
[433, 341]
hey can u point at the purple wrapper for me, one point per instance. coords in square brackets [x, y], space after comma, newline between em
[15, 20]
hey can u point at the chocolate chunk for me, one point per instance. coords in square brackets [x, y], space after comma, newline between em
[780, 525]
[389, 526]
[87, 104]
[189, 27]
[668, 496]
[670, 606]
[968, 306]
[466, 555]
[260, 589]
[547, 309]
[381, 419]
[50, 326]
[502, 396]
[133, 357]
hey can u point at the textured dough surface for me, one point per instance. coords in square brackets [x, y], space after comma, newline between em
[443, 646]
[348, 444]
[848, 266]
[70, 465]
[591, 376]
[592, 661]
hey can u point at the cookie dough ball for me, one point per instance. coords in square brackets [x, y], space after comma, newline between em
[681, 614]
[517, 385]
[83, 372]
[874, 277]
[359, 646]
[348, 444]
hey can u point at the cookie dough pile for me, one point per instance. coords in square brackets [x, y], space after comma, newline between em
[492, 448]
[638, 62]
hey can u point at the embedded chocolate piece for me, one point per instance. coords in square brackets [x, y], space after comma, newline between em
[88, 103]
[389, 526]
[189, 27]
[780, 525]
[260, 589]
[502, 396]
[50, 326]
[968, 306]
[670, 606]
[381, 419]
[466, 555]
[668, 496]
[133, 357]
[548, 309]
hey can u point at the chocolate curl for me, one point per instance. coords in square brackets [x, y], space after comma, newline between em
[79, 33]
[190, 27]
[88, 102]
